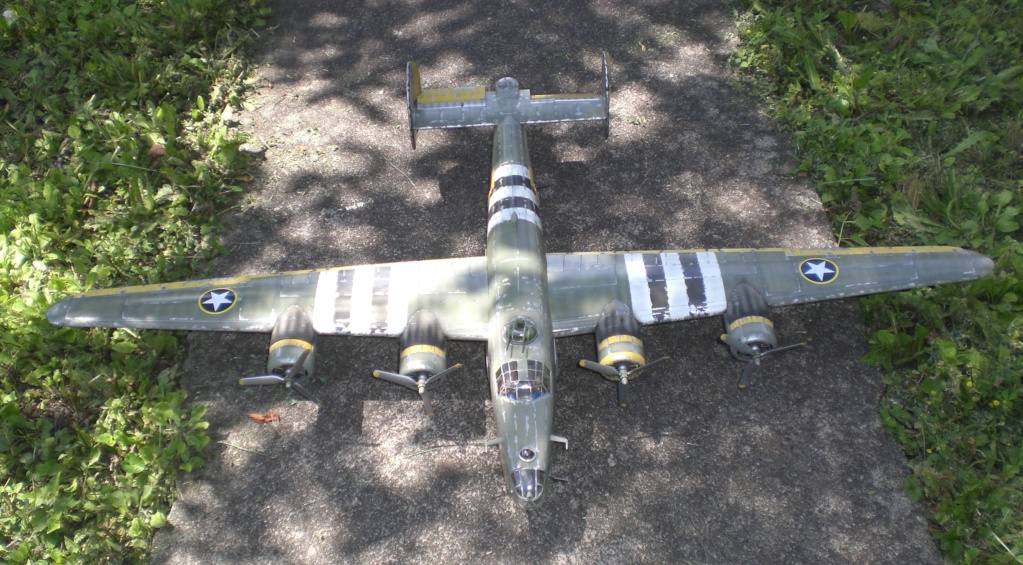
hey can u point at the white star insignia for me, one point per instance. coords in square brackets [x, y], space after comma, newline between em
[819, 270]
[218, 299]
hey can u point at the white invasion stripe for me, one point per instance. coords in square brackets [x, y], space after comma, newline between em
[675, 279]
[362, 300]
[512, 192]
[505, 215]
[324, 302]
[402, 279]
[509, 170]
[642, 308]
[713, 286]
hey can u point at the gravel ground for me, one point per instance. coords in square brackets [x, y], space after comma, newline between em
[796, 469]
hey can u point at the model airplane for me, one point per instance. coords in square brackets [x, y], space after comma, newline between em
[518, 298]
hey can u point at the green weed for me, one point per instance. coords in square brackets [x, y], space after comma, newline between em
[110, 136]
[907, 116]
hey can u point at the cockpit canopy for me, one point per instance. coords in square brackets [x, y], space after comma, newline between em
[523, 379]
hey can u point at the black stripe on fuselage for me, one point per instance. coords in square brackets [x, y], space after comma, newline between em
[658, 286]
[513, 202]
[694, 280]
[513, 180]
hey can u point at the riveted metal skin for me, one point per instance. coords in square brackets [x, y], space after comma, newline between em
[422, 345]
[747, 323]
[618, 342]
[291, 335]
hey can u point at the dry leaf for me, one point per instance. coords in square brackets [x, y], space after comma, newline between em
[155, 152]
[269, 417]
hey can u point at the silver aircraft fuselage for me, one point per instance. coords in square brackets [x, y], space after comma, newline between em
[520, 348]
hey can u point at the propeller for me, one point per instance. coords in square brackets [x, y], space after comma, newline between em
[422, 383]
[620, 374]
[756, 352]
[288, 380]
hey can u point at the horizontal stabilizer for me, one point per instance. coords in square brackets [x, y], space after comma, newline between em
[463, 107]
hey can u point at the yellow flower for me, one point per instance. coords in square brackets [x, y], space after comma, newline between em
[969, 384]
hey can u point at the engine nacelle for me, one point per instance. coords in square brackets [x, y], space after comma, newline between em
[292, 334]
[422, 346]
[749, 331]
[618, 343]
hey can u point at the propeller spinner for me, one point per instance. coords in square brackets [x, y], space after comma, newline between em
[621, 373]
[421, 383]
[755, 352]
[288, 380]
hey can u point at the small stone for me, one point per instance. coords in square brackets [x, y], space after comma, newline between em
[253, 150]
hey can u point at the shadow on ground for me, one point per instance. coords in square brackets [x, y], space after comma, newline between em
[796, 469]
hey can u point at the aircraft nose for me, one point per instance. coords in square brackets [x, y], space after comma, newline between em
[528, 485]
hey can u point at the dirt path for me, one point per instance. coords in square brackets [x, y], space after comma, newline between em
[797, 469]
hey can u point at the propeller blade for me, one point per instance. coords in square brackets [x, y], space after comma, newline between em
[261, 380]
[635, 373]
[758, 356]
[436, 379]
[298, 365]
[427, 405]
[747, 373]
[609, 372]
[398, 379]
[623, 394]
[786, 348]
[301, 390]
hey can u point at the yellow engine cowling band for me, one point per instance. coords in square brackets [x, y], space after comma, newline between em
[620, 348]
[422, 359]
[422, 346]
[292, 334]
[754, 329]
[618, 337]
[747, 323]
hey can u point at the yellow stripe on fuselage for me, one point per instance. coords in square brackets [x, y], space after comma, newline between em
[868, 250]
[448, 95]
[562, 96]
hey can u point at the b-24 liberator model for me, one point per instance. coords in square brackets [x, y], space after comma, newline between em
[518, 298]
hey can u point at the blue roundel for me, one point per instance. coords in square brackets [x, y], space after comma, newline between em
[818, 271]
[217, 301]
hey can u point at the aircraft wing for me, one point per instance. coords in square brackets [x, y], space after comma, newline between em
[668, 286]
[659, 286]
[364, 300]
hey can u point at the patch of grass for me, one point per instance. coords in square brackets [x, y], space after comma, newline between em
[907, 116]
[114, 159]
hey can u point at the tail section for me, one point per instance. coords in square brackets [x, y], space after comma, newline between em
[463, 107]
